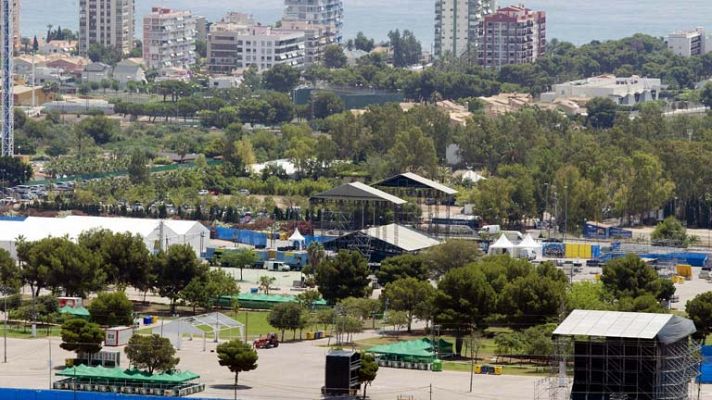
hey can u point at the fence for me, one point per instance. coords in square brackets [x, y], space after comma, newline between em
[257, 239]
[31, 394]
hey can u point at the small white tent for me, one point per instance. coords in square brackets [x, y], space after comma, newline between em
[297, 240]
[501, 246]
[527, 247]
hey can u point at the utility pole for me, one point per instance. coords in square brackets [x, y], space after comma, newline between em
[472, 357]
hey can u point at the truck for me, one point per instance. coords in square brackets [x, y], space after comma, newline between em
[490, 230]
[118, 336]
[272, 265]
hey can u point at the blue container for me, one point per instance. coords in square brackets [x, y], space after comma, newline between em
[254, 290]
[148, 320]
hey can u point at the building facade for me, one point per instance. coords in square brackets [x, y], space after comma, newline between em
[689, 43]
[168, 39]
[107, 22]
[512, 35]
[232, 47]
[622, 90]
[316, 38]
[456, 24]
[318, 12]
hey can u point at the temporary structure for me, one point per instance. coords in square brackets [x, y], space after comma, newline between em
[80, 311]
[297, 240]
[528, 245]
[501, 246]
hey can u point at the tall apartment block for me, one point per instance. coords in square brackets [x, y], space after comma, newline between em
[168, 39]
[456, 24]
[512, 35]
[690, 43]
[107, 22]
[316, 37]
[318, 12]
[233, 46]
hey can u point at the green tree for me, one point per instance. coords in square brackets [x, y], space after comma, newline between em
[343, 276]
[174, 269]
[138, 167]
[706, 95]
[586, 295]
[670, 232]
[464, 299]
[265, 282]
[334, 56]
[406, 48]
[369, 370]
[238, 259]
[534, 298]
[324, 104]
[507, 344]
[151, 353]
[237, 357]
[281, 78]
[699, 310]
[124, 257]
[450, 255]
[10, 273]
[99, 128]
[81, 336]
[412, 296]
[13, 171]
[363, 43]
[413, 152]
[601, 112]
[287, 316]
[111, 309]
[206, 290]
[403, 266]
[630, 276]
[307, 298]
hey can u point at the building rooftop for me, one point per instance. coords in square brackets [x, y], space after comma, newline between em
[401, 237]
[357, 191]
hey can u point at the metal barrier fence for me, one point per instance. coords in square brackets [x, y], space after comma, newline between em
[32, 394]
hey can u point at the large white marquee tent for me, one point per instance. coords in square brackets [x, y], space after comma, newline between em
[153, 231]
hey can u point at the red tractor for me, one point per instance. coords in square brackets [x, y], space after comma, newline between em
[267, 342]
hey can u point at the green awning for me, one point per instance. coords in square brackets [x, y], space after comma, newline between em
[76, 311]
[415, 350]
[261, 298]
[128, 375]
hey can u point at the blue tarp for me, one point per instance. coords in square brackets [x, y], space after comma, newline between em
[29, 394]
[693, 259]
[706, 365]
[593, 230]
[18, 218]
[257, 239]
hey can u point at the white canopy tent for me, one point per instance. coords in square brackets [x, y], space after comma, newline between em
[501, 246]
[176, 329]
[528, 245]
[297, 240]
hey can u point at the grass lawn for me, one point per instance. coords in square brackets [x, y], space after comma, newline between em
[25, 332]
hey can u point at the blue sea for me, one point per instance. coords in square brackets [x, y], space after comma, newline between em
[577, 21]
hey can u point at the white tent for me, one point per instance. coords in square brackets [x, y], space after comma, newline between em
[297, 240]
[472, 176]
[528, 245]
[501, 246]
[176, 329]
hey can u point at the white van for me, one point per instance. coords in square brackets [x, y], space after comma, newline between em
[490, 230]
[276, 266]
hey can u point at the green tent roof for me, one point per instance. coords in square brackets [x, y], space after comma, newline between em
[76, 311]
[118, 374]
[272, 298]
[414, 349]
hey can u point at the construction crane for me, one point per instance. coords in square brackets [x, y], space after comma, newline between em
[6, 53]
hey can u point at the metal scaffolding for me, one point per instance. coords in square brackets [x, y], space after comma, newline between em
[8, 136]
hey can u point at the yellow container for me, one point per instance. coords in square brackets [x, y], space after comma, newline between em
[586, 251]
[478, 368]
[310, 335]
[498, 370]
[684, 271]
[571, 250]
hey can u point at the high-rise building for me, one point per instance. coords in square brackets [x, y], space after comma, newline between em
[233, 46]
[107, 22]
[512, 35]
[456, 24]
[319, 12]
[690, 43]
[317, 37]
[168, 38]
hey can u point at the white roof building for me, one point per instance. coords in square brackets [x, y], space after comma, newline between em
[624, 91]
[153, 231]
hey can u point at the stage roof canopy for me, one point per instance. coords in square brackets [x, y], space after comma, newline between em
[357, 191]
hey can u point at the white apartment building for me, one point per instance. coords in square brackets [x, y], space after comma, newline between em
[624, 91]
[318, 12]
[689, 43]
[316, 37]
[231, 46]
[511, 35]
[456, 23]
[168, 39]
[107, 22]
